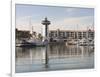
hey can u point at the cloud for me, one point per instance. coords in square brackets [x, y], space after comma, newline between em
[70, 10]
[79, 20]
[72, 22]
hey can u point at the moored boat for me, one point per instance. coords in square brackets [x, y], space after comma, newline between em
[72, 42]
[32, 43]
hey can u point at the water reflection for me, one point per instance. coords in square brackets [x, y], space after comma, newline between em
[54, 57]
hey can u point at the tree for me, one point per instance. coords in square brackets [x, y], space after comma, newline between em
[40, 36]
[22, 34]
[34, 34]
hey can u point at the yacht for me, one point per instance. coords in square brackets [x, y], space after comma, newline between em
[72, 42]
[32, 42]
[83, 42]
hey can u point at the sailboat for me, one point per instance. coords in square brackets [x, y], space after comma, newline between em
[33, 43]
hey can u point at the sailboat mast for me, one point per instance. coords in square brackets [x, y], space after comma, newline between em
[87, 32]
[77, 32]
[30, 24]
[32, 29]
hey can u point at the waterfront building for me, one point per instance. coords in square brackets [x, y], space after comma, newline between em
[71, 34]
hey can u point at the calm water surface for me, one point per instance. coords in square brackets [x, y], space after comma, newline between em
[58, 57]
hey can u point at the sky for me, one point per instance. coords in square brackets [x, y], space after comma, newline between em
[63, 18]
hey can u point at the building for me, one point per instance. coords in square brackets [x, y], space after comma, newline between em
[71, 34]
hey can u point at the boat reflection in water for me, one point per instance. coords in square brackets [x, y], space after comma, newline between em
[54, 57]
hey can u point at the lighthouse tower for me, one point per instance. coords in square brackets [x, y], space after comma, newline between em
[46, 22]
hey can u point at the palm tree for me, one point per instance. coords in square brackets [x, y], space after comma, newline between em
[40, 36]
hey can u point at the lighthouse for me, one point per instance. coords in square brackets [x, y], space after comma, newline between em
[46, 22]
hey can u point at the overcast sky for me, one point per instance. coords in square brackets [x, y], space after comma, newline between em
[64, 18]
